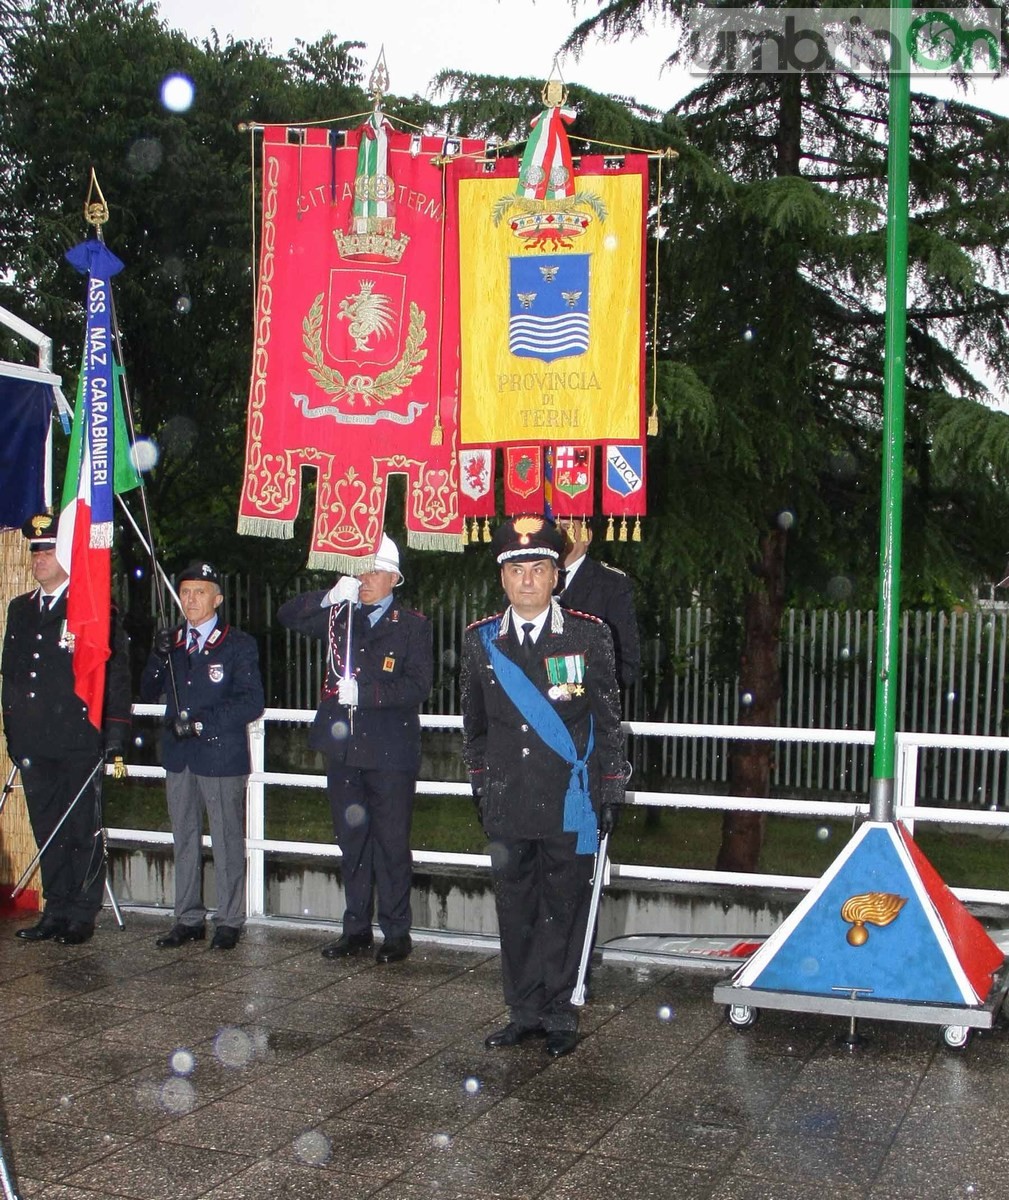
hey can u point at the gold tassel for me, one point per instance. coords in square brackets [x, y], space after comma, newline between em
[653, 420]
[437, 433]
[486, 530]
[609, 529]
[623, 529]
[464, 536]
[636, 537]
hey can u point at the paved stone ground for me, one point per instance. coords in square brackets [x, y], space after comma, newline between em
[268, 1072]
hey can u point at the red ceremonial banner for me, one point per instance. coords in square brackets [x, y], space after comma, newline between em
[355, 359]
[570, 481]
[523, 480]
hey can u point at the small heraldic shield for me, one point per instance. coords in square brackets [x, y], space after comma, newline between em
[216, 672]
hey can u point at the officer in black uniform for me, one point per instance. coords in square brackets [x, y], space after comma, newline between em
[542, 742]
[368, 727]
[208, 673]
[603, 591]
[59, 752]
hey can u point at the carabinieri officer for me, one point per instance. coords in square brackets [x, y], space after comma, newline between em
[544, 749]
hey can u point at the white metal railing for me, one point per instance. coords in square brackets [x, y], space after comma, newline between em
[906, 809]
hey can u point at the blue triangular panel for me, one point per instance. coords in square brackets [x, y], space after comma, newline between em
[904, 960]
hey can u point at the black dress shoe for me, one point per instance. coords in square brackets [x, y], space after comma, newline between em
[178, 935]
[76, 934]
[225, 938]
[347, 944]
[48, 927]
[511, 1035]
[561, 1042]
[394, 949]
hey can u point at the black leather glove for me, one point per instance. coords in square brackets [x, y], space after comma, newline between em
[164, 640]
[186, 727]
[608, 814]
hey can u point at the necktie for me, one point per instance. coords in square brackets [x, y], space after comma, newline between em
[194, 641]
[47, 603]
[562, 581]
[528, 645]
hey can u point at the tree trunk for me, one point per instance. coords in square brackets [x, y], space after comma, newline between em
[760, 690]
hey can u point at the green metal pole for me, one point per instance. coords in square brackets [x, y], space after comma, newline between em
[881, 788]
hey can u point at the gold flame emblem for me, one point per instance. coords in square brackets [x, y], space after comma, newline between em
[869, 908]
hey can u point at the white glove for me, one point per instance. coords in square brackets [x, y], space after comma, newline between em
[346, 587]
[347, 693]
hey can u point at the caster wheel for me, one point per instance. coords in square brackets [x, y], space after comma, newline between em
[956, 1036]
[741, 1016]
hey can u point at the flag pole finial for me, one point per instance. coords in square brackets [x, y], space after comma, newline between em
[378, 81]
[96, 209]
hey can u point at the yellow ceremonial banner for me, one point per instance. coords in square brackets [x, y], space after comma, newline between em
[552, 305]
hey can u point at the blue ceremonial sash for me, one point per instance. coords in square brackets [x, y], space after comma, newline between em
[579, 817]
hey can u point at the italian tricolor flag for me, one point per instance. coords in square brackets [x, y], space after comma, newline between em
[99, 465]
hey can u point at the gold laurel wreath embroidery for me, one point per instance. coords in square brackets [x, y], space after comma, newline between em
[375, 389]
[565, 204]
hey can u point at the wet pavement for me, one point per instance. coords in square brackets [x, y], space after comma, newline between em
[269, 1072]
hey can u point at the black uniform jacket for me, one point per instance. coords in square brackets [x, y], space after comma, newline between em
[521, 780]
[393, 663]
[606, 592]
[221, 688]
[43, 716]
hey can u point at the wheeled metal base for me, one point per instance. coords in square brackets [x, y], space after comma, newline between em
[743, 1005]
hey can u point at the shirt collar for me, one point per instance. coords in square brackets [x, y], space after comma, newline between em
[55, 594]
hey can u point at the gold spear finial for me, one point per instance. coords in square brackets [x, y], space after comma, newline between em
[378, 81]
[96, 211]
[555, 93]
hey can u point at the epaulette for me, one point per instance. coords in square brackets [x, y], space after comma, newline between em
[574, 612]
[485, 620]
[610, 567]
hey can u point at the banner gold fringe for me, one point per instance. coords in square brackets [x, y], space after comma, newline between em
[424, 540]
[265, 527]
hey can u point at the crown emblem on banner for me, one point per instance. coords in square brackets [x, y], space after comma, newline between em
[553, 223]
[372, 239]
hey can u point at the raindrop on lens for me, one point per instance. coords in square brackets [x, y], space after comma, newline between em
[355, 815]
[177, 1096]
[839, 588]
[449, 660]
[809, 966]
[441, 1141]
[823, 833]
[182, 1062]
[786, 519]
[747, 335]
[312, 1148]
[144, 156]
[950, 697]
[138, 740]
[844, 654]
[233, 1048]
[183, 305]
[471, 1086]
[177, 92]
[339, 730]
[144, 454]
[665, 1013]
[746, 699]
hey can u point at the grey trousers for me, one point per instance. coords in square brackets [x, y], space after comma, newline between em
[224, 801]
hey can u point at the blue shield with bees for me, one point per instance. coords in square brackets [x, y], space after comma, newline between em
[549, 299]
